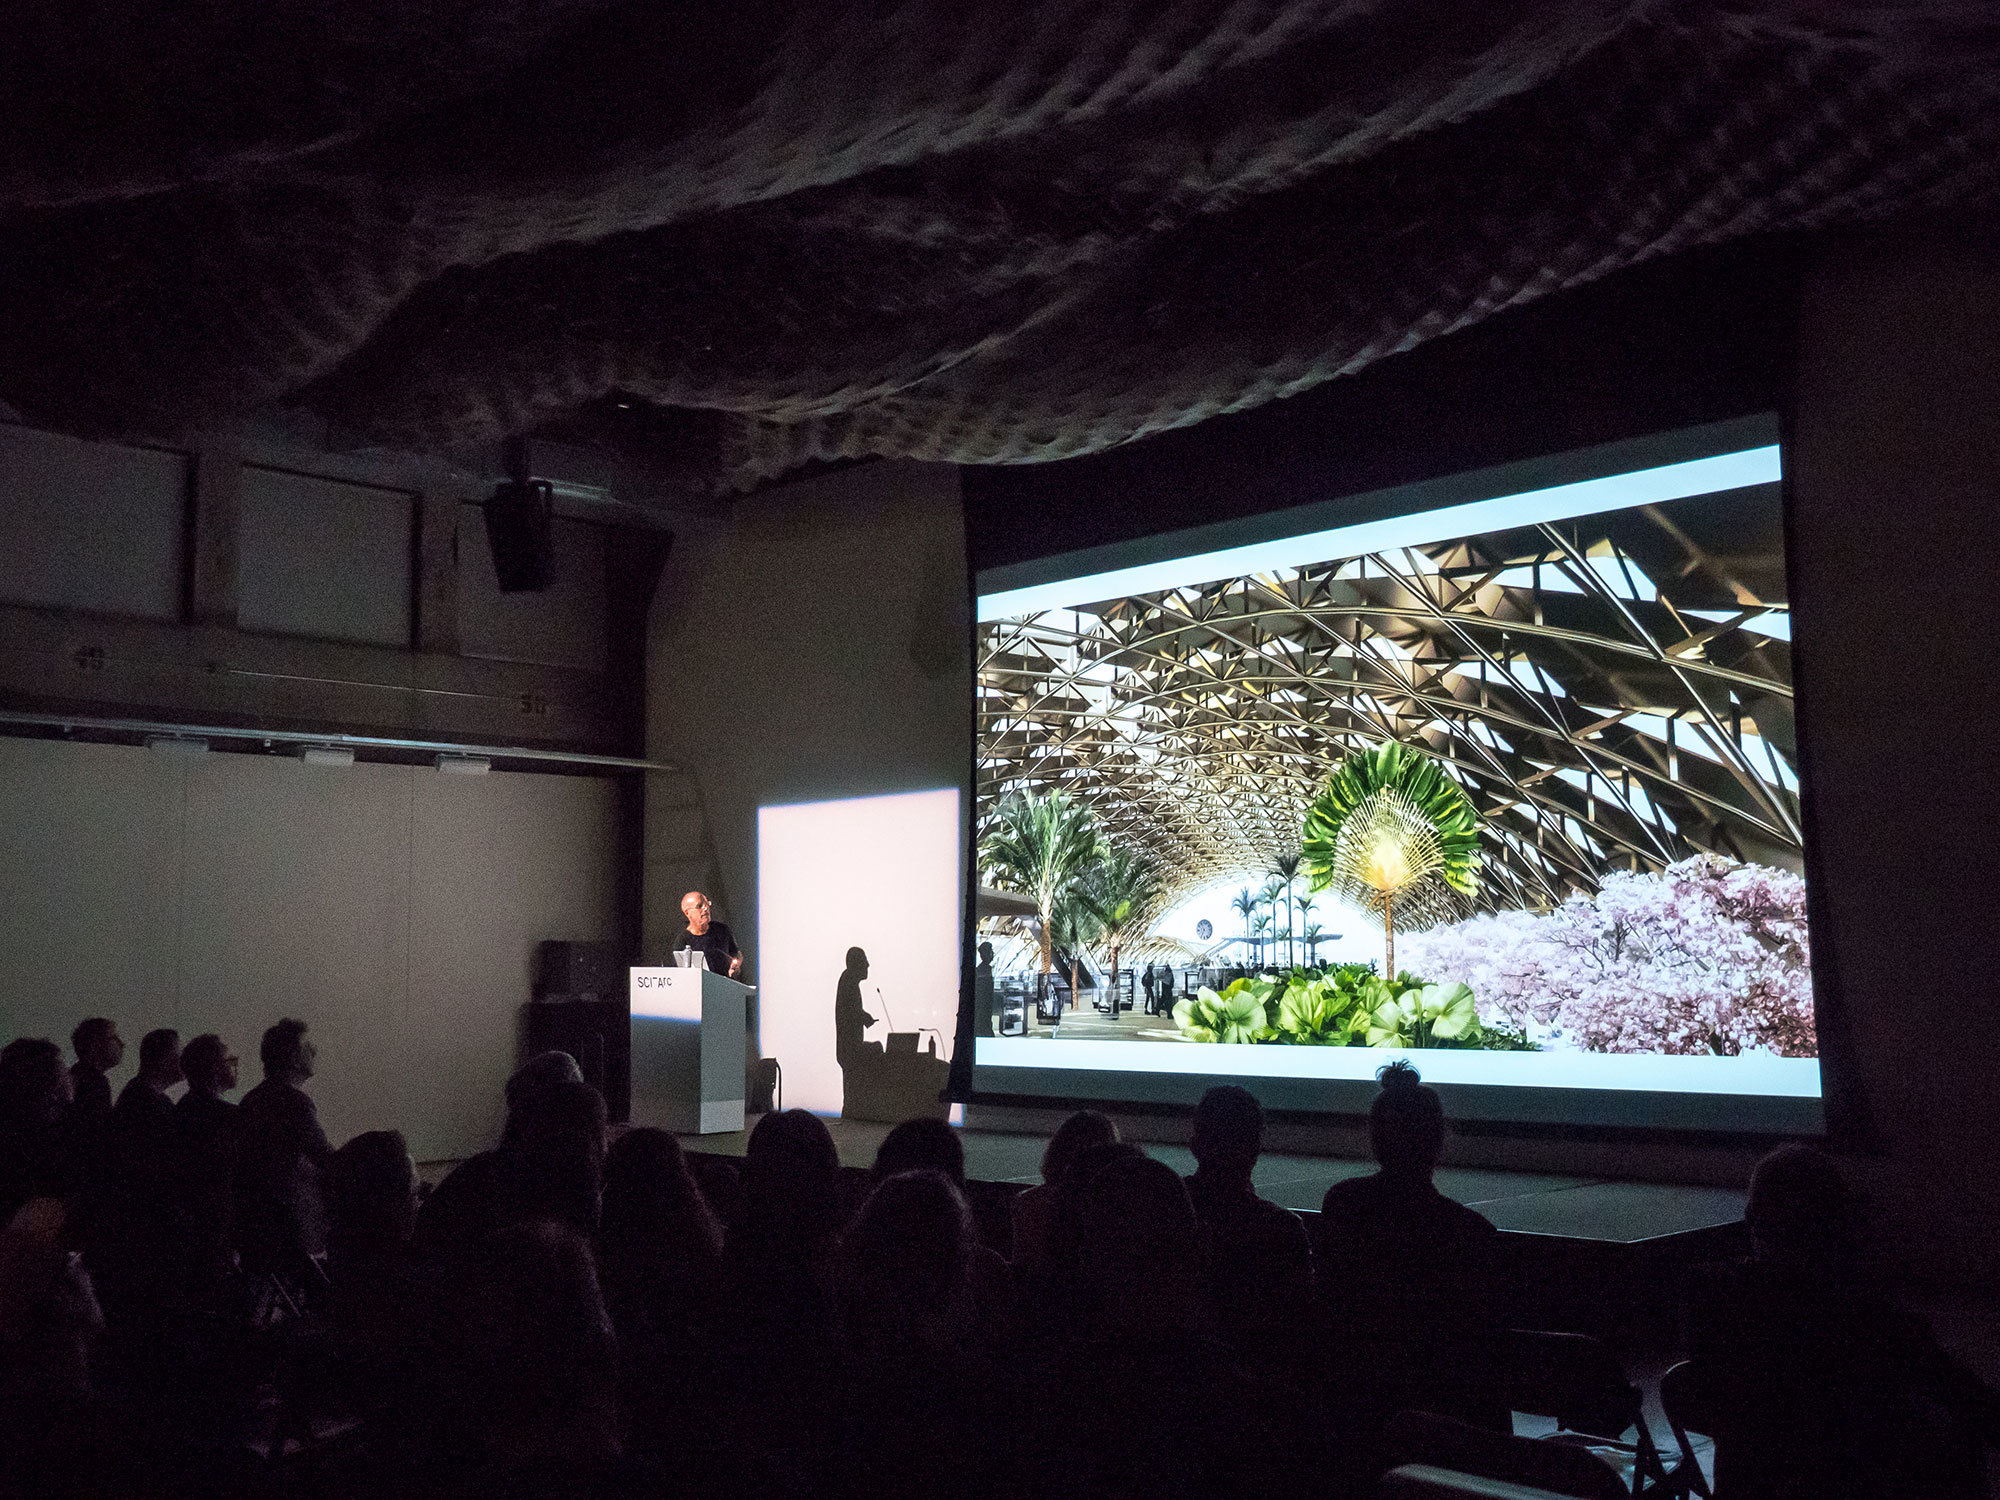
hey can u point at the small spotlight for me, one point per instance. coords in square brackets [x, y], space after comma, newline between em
[464, 765]
[177, 744]
[327, 755]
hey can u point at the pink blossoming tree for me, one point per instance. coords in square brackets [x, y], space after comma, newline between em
[1708, 956]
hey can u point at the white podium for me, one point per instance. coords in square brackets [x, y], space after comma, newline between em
[688, 1050]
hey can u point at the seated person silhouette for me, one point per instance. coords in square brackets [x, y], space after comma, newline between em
[1412, 1286]
[1256, 1269]
[1818, 1383]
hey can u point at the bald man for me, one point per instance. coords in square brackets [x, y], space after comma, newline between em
[707, 936]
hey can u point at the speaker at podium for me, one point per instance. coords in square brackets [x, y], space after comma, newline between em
[688, 1049]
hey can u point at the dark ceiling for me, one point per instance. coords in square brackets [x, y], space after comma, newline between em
[985, 231]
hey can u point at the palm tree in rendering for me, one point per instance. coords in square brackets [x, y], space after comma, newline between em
[1393, 833]
[1274, 892]
[1119, 892]
[1042, 844]
[1286, 868]
[1245, 906]
[1313, 935]
[1305, 906]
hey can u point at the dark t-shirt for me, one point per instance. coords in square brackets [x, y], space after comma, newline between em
[717, 943]
[91, 1091]
[1414, 1289]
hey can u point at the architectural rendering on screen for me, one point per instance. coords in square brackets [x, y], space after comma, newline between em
[1532, 790]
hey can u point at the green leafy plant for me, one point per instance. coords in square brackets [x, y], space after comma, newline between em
[1235, 1015]
[1421, 1015]
[1317, 1011]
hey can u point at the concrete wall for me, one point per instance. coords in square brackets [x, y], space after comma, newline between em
[1894, 457]
[816, 645]
[394, 909]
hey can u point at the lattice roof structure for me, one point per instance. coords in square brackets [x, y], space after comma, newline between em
[1613, 693]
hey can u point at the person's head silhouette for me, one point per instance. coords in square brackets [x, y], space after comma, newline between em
[1076, 1135]
[371, 1193]
[1228, 1133]
[1406, 1123]
[791, 1208]
[857, 963]
[210, 1065]
[34, 1084]
[986, 954]
[98, 1045]
[286, 1054]
[902, 1267]
[1800, 1212]
[1138, 1245]
[160, 1058]
[922, 1145]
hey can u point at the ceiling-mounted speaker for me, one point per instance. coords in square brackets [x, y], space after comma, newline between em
[520, 529]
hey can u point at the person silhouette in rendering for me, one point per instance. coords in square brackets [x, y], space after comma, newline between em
[983, 1013]
[1412, 1286]
[1257, 1270]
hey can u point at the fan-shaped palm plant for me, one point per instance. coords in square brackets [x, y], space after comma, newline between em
[1041, 845]
[1391, 832]
[1119, 891]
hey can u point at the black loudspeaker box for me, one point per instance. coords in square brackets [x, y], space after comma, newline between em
[520, 528]
[598, 1034]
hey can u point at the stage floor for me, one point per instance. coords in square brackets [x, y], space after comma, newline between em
[1531, 1203]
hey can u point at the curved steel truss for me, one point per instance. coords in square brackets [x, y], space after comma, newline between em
[1613, 692]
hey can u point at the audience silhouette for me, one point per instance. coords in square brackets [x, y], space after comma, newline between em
[564, 1319]
[98, 1049]
[34, 1093]
[1820, 1384]
[281, 1219]
[1256, 1268]
[1413, 1287]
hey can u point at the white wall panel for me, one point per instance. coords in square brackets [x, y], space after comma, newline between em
[324, 558]
[393, 909]
[90, 867]
[91, 526]
[498, 863]
[296, 903]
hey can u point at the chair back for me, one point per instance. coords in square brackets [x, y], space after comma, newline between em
[1424, 1438]
[1690, 1407]
[1422, 1482]
[1572, 1378]
[1686, 1400]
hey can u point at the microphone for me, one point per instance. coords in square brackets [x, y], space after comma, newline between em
[885, 1008]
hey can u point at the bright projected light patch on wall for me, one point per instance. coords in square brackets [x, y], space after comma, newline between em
[1508, 785]
[858, 923]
